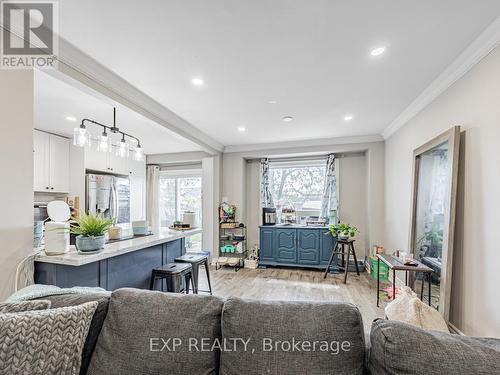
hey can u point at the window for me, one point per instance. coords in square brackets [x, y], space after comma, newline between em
[180, 191]
[298, 185]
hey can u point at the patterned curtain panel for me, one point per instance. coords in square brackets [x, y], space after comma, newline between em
[266, 200]
[330, 192]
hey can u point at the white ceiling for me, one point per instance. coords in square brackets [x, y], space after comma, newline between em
[56, 99]
[312, 57]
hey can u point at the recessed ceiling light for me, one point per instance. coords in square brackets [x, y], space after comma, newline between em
[272, 101]
[287, 118]
[197, 81]
[71, 118]
[377, 51]
[348, 117]
[241, 129]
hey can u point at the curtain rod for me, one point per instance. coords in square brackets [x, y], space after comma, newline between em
[339, 155]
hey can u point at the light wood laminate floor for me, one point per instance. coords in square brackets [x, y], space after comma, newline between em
[290, 284]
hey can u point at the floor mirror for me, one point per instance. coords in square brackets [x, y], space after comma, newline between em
[433, 214]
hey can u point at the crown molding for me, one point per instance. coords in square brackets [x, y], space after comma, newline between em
[78, 65]
[304, 143]
[488, 40]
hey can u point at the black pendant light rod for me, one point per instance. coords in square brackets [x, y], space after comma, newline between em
[112, 129]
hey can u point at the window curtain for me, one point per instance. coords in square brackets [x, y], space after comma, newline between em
[152, 196]
[330, 191]
[266, 200]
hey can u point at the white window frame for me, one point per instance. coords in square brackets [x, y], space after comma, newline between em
[179, 174]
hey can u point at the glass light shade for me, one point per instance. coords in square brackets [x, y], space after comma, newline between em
[138, 154]
[123, 149]
[104, 143]
[81, 137]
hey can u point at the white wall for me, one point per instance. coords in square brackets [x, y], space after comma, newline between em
[474, 103]
[363, 186]
[16, 169]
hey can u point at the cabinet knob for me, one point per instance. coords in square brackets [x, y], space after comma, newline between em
[51, 188]
[46, 187]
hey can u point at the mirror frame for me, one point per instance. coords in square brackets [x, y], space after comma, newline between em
[452, 136]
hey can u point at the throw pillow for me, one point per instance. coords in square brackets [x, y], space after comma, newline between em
[44, 341]
[13, 307]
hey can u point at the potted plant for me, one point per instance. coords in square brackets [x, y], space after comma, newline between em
[343, 231]
[90, 230]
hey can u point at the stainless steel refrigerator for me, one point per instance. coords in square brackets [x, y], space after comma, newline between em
[108, 195]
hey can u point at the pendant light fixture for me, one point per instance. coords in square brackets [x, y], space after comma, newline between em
[82, 138]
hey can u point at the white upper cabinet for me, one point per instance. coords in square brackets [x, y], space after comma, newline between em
[51, 163]
[106, 161]
[41, 145]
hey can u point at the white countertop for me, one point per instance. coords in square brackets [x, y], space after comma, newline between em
[74, 258]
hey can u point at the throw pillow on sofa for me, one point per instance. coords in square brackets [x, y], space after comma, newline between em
[13, 307]
[44, 341]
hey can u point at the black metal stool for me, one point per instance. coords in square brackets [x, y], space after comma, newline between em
[196, 260]
[174, 273]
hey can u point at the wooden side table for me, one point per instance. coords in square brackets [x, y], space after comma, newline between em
[395, 264]
[340, 249]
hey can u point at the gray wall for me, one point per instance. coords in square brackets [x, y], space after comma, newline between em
[361, 187]
[16, 166]
[474, 103]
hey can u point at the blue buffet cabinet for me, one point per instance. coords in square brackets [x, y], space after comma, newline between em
[297, 246]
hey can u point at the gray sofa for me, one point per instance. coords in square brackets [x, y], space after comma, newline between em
[141, 332]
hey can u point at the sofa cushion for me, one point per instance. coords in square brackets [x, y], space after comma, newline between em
[291, 338]
[400, 348]
[148, 332]
[97, 320]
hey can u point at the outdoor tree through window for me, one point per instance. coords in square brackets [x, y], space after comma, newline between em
[298, 186]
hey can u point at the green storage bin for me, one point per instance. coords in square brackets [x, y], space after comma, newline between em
[383, 272]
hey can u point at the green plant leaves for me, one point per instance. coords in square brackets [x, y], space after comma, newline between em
[91, 225]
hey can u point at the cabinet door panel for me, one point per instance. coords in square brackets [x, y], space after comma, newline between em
[96, 161]
[41, 145]
[266, 244]
[308, 246]
[327, 245]
[286, 246]
[59, 164]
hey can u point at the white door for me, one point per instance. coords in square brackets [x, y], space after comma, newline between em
[41, 146]
[59, 164]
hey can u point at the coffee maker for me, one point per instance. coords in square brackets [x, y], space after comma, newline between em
[269, 216]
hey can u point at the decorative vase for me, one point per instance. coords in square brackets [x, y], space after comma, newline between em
[343, 236]
[86, 244]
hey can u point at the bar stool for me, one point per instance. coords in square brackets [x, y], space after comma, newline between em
[174, 273]
[196, 260]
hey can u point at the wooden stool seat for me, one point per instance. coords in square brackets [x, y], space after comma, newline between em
[174, 273]
[196, 260]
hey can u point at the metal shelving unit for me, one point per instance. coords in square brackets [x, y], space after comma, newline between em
[234, 231]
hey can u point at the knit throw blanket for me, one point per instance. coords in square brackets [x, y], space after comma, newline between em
[39, 291]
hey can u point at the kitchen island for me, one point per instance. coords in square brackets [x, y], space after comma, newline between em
[121, 264]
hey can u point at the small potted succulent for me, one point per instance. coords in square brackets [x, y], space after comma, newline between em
[90, 230]
[343, 231]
